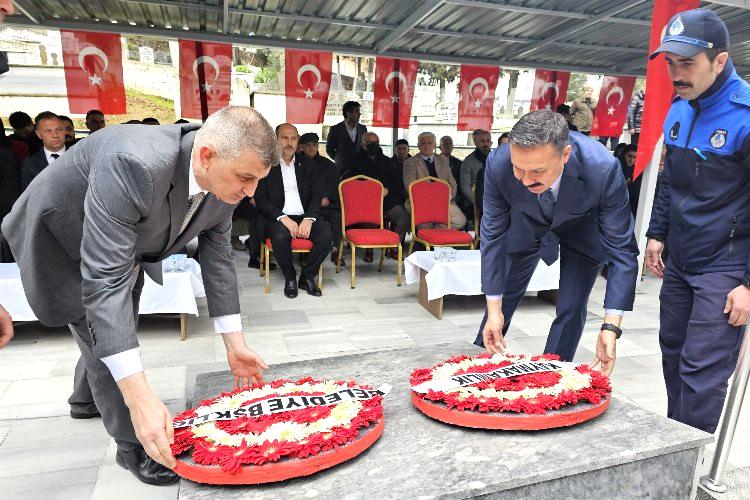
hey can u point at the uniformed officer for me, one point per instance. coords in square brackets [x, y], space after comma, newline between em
[702, 211]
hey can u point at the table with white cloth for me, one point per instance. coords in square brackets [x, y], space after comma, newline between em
[463, 277]
[182, 285]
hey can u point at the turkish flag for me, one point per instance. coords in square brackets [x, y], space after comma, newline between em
[93, 72]
[395, 80]
[476, 96]
[612, 107]
[660, 90]
[308, 80]
[550, 89]
[205, 77]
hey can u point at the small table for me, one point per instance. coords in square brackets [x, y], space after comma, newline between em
[464, 277]
[176, 296]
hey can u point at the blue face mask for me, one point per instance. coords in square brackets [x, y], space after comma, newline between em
[373, 148]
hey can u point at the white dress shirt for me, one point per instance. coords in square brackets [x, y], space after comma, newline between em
[129, 362]
[555, 188]
[49, 154]
[352, 132]
[292, 199]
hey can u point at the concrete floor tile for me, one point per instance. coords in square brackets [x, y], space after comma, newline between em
[36, 398]
[318, 342]
[116, 483]
[72, 484]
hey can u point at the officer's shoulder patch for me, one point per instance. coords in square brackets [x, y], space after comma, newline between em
[741, 95]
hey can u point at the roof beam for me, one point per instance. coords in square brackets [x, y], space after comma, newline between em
[745, 4]
[225, 17]
[544, 12]
[20, 8]
[573, 29]
[426, 8]
[106, 27]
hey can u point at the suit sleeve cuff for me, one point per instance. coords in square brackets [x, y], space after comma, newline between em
[614, 312]
[124, 364]
[228, 323]
[494, 297]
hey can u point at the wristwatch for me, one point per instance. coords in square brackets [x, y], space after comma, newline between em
[612, 328]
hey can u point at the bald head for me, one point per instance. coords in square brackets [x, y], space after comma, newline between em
[288, 137]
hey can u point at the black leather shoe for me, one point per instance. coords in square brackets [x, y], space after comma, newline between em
[78, 415]
[309, 286]
[254, 263]
[145, 468]
[290, 289]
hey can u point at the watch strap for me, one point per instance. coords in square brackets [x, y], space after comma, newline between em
[612, 328]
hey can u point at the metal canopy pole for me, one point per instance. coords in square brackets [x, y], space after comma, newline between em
[732, 409]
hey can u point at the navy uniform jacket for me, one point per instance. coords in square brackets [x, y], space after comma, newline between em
[592, 218]
[703, 207]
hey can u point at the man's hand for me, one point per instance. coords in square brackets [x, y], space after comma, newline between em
[492, 334]
[631, 131]
[151, 419]
[738, 306]
[653, 257]
[325, 202]
[6, 327]
[246, 366]
[304, 228]
[290, 225]
[385, 192]
[605, 352]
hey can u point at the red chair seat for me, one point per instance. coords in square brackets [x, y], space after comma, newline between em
[297, 244]
[444, 236]
[372, 237]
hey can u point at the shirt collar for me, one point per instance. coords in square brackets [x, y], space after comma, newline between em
[285, 164]
[555, 187]
[425, 158]
[48, 152]
[193, 186]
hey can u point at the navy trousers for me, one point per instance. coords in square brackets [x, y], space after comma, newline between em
[699, 347]
[577, 276]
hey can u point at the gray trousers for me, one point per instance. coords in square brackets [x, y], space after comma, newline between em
[95, 389]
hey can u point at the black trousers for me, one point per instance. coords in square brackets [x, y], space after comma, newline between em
[332, 215]
[634, 138]
[281, 240]
[249, 213]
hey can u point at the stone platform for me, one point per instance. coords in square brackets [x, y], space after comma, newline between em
[626, 452]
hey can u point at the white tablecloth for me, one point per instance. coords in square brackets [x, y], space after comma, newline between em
[177, 296]
[464, 275]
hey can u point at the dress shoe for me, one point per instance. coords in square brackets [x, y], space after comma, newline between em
[368, 255]
[145, 468]
[79, 415]
[334, 258]
[290, 289]
[254, 263]
[309, 286]
[237, 244]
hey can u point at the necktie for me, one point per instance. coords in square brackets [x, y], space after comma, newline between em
[54, 156]
[431, 167]
[549, 249]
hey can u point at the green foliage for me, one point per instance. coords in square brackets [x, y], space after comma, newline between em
[432, 73]
[269, 62]
[241, 68]
[575, 87]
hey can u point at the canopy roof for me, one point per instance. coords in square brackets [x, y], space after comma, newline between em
[577, 35]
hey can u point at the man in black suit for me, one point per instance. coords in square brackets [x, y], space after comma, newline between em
[330, 206]
[95, 120]
[344, 138]
[69, 129]
[23, 131]
[49, 129]
[289, 200]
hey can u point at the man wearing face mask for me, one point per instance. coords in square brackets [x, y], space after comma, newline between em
[555, 194]
[702, 212]
[371, 161]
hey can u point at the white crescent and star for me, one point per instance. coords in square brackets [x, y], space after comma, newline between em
[391, 76]
[211, 62]
[479, 81]
[97, 52]
[315, 71]
[553, 86]
[621, 95]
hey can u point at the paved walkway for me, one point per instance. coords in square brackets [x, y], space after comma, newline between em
[46, 454]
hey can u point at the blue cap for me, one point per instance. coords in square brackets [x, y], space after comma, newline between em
[691, 32]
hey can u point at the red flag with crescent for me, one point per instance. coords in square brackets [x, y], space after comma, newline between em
[205, 77]
[476, 96]
[395, 80]
[93, 72]
[550, 89]
[308, 80]
[612, 107]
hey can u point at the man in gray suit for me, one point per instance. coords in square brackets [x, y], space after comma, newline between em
[116, 206]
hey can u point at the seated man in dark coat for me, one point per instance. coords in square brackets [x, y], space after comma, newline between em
[289, 200]
[371, 161]
[330, 207]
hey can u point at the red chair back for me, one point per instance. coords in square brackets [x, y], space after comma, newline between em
[361, 201]
[430, 199]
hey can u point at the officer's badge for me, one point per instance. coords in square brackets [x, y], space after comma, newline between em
[719, 138]
[677, 27]
[674, 131]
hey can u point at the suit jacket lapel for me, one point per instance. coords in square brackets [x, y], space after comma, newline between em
[529, 203]
[299, 174]
[572, 193]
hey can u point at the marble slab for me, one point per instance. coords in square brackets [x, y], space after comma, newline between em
[421, 457]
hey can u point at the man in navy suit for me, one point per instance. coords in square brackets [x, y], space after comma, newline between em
[551, 193]
[50, 130]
